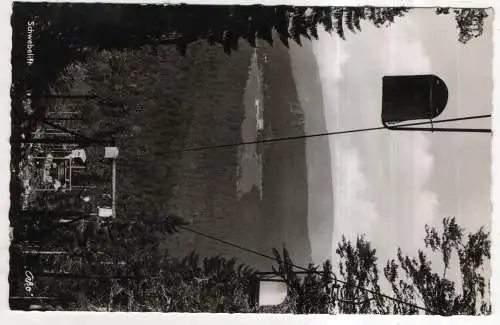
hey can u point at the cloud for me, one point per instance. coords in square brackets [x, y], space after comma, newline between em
[354, 213]
[334, 50]
[411, 166]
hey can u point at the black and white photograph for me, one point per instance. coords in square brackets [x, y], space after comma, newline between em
[271, 159]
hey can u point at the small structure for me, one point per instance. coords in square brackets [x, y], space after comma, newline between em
[105, 212]
[56, 176]
[111, 152]
[272, 293]
[414, 98]
[417, 97]
[268, 289]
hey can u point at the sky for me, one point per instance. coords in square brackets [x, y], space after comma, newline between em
[389, 184]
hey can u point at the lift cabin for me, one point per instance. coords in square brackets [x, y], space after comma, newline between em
[412, 97]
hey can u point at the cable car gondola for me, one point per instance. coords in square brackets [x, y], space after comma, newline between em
[410, 98]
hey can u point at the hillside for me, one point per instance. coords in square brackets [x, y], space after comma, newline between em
[208, 191]
[319, 161]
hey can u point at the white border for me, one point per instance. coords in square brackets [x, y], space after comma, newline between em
[8, 317]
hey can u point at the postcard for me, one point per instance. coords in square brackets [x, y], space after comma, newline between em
[250, 159]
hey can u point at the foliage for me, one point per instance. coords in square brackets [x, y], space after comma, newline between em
[358, 269]
[356, 287]
[308, 293]
[215, 284]
[191, 284]
[219, 25]
[419, 282]
[470, 21]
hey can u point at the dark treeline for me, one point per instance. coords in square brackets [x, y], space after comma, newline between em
[63, 32]
[124, 278]
[126, 26]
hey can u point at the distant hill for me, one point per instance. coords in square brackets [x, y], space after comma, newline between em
[319, 166]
